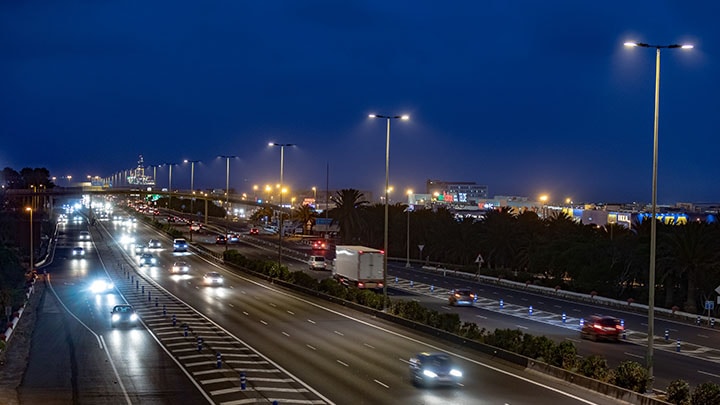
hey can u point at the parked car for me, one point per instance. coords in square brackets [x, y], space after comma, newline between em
[433, 369]
[317, 263]
[598, 327]
[462, 296]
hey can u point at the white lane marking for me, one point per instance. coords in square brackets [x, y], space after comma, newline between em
[291, 312]
[112, 364]
[481, 317]
[310, 347]
[286, 334]
[231, 305]
[273, 305]
[703, 336]
[710, 374]
[263, 322]
[573, 340]
[245, 313]
[311, 321]
[557, 306]
[343, 363]
[577, 310]
[521, 327]
[633, 355]
[338, 332]
[368, 345]
[384, 385]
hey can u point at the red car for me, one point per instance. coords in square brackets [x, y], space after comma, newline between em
[254, 231]
[599, 327]
[319, 244]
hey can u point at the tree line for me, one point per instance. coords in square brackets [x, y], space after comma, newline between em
[556, 251]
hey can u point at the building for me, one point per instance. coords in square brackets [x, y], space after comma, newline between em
[456, 192]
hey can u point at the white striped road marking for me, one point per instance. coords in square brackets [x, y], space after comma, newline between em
[286, 334]
[199, 363]
[310, 347]
[219, 380]
[633, 355]
[481, 317]
[521, 327]
[245, 313]
[191, 356]
[246, 362]
[231, 305]
[710, 374]
[343, 363]
[291, 312]
[263, 322]
[370, 346]
[258, 370]
[384, 385]
[339, 333]
[703, 336]
[273, 305]
[311, 321]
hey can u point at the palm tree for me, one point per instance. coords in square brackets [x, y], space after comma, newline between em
[304, 215]
[346, 213]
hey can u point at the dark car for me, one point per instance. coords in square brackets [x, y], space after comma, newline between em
[146, 259]
[221, 239]
[598, 327]
[462, 296]
[433, 369]
[123, 314]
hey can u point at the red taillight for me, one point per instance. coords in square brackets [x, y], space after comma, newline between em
[619, 327]
[361, 284]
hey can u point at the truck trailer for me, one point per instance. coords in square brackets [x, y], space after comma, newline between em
[359, 266]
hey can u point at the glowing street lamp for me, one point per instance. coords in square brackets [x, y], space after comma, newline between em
[227, 190]
[192, 182]
[387, 186]
[653, 225]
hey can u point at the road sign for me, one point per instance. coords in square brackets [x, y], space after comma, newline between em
[717, 290]
[709, 305]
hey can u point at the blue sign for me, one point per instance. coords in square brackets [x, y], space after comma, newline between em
[709, 305]
[323, 221]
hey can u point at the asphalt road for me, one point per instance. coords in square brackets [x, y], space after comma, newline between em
[322, 353]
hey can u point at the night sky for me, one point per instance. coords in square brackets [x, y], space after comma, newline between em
[527, 97]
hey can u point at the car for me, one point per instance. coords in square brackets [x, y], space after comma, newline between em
[180, 245]
[599, 327]
[317, 263]
[123, 314]
[78, 251]
[196, 227]
[147, 259]
[84, 235]
[171, 219]
[77, 219]
[254, 231]
[101, 285]
[180, 267]
[154, 244]
[233, 238]
[319, 244]
[433, 369]
[139, 249]
[213, 278]
[462, 296]
[221, 239]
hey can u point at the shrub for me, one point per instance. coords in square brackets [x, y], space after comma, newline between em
[535, 346]
[305, 280]
[562, 355]
[631, 375]
[678, 392]
[506, 339]
[596, 367]
[706, 394]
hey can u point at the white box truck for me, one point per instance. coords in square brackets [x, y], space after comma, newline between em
[359, 266]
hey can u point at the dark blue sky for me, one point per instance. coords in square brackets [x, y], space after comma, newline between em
[527, 97]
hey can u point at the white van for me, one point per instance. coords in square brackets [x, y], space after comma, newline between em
[317, 263]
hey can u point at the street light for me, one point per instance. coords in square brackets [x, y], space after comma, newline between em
[227, 191]
[409, 193]
[32, 259]
[282, 162]
[387, 186]
[192, 183]
[544, 199]
[653, 224]
[314, 189]
[170, 165]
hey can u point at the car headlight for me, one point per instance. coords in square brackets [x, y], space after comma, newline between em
[153, 261]
[456, 373]
[133, 317]
[115, 317]
[429, 373]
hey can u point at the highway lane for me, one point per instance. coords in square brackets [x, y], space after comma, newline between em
[350, 358]
[695, 364]
[76, 357]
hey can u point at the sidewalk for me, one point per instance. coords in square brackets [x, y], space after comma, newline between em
[14, 360]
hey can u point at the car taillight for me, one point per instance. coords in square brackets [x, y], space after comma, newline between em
[457, 295]
[361, 284]
[619, 327]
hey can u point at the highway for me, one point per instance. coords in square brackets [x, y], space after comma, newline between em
[289, 347]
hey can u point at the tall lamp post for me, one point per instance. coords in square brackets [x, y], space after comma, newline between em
[227, 191]
[653, 219]
[387, 189]
[170, 165]
[32, 248]
[409, 193]
[192, 183]
[280, 221]
[314, 190]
